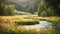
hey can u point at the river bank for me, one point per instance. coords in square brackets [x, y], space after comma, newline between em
[10, 24]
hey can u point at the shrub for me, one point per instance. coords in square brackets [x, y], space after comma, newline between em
[27, 22]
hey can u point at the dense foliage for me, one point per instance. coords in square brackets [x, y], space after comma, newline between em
[45, 7]
[6, 10]
[49, 8]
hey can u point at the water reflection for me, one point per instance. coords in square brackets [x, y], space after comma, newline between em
[45, 24]
[42, 24]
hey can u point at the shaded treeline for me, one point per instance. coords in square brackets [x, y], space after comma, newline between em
[49, 8]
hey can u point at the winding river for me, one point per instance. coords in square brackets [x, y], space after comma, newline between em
[42, 24]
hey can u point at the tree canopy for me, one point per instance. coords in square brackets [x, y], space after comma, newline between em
[6, 10]
[50, 7]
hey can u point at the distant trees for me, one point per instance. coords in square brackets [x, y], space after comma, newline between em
[29, 7]
[9, 10]
[49, 8]
[6, 10]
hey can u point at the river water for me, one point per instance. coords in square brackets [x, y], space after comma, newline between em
[42, 24]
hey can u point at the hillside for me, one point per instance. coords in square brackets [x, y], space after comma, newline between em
[24, 5]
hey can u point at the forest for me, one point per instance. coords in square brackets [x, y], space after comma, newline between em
[41, 7]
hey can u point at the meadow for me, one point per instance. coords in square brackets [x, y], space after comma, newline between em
[9, 24]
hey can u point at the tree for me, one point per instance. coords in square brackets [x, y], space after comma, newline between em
[51, 7]
[10, 10]
[6, 10]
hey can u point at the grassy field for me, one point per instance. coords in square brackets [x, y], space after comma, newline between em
[9, 24]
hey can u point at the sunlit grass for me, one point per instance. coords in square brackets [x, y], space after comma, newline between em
[7, 24]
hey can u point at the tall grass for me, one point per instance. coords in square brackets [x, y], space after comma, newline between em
[8, 26]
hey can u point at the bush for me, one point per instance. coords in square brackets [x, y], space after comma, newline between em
[33, 22]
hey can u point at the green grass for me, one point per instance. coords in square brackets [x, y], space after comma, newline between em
[12, 22]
